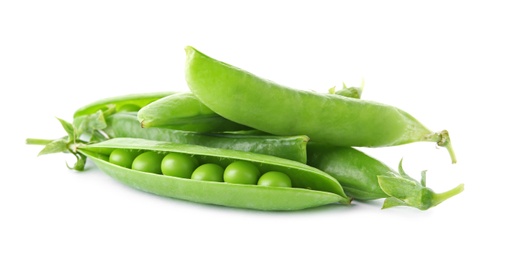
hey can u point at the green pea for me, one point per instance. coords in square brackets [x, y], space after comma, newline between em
[275, 179]
[148, 161]
[208, 172]
[128, 108]
[178, 165]
[241, 172]
[123, 157]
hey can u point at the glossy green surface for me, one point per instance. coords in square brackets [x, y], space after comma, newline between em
[312, 187]
[289, 147]
[178, 165]
[331, 119]
[117, 102]
[357, 172]
[148, 161]
[275, 179]
[123, 157]
[241, 172]
[183, 111]
[208, 172]
[365, 178]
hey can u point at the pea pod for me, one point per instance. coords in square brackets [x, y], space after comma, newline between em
[289, 147]
[312, 187]
[183, 111]
[365, 178]
[250, 100]
[115, 103]
[89, 120]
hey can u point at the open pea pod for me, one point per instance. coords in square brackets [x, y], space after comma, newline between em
[310, 186]
[129, 101]
[89, 119]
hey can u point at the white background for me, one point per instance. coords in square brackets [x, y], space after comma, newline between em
[444, 62]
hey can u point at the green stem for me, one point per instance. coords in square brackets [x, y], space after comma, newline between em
[442, 139]
[440, 197]
[36, 141]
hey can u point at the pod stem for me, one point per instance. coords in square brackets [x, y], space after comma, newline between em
[37, 141]
[440, 197]
[442, 139]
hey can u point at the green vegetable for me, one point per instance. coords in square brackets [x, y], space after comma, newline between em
[241, 172]
[331, 119]
[123, 157]
[275, 179]
[120, 103]
[129, 108]
[149, 161]
[89, 120]
[178, 165]
[289, 147]
[311, 187]
[183, 111]
[208, 172]
[365, 178]
[176, 155]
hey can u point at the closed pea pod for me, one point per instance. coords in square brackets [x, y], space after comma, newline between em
[331, 119]
[365, 178]
[311, 187]
[289, 147]
[183, 111]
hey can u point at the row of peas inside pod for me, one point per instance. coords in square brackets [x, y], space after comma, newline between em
[187, 166]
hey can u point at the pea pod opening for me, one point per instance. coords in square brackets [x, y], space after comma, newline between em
[330, 119]
[312, 187]
[117, 102]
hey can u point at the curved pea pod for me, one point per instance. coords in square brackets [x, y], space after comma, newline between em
[289, 147]
[311, 187]
[365, 178]
[183, 111]
[249, 100]
[118, 102]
